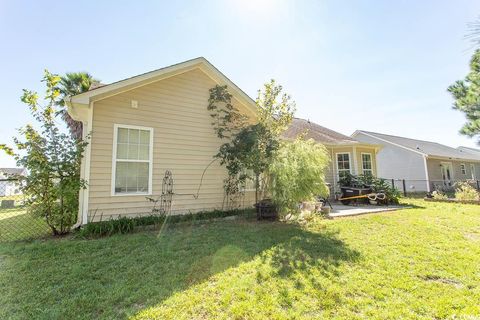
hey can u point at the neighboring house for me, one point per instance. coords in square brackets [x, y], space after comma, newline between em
[423, 164]
[8, 186]
[145, 125]
[347, 154]
[472, 151]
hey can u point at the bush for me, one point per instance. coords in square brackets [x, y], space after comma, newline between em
[52, 159]
[298, 174]
[439, 195]
[464, 191]
[376, 184]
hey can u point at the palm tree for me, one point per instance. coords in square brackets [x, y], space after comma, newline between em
[70, 84]
[474, 32]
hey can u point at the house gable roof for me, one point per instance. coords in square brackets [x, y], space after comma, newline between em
[12, 171]
[317, 133]
[472, 151]
[102, 91]
[427, 148]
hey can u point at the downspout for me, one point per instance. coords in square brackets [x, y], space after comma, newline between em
[84, 168]
[426, 173]
[81, 195]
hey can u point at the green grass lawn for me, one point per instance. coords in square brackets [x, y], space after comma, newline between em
[17, 224]
[421, 263]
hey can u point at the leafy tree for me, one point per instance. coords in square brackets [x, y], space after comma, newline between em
[52, 159]
[249, 146]
[70, 84]
[467, 97]
[297, 173]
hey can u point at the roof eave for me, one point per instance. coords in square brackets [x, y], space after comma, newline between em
[141, 80]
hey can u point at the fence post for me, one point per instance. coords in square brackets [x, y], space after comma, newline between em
[478, 185]
[404, 188]
[393, 183]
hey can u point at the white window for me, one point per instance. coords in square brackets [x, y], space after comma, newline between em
[472, 171]
[343, 163]
[132, 160]
[463, 169]
[367, 167]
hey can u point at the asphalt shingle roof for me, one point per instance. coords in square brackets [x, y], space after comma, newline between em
[10, 171]
[469, 150]
[429, 148]
[316, 132]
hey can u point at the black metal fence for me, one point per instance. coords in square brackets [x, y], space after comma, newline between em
[419, 186]
[16, 223]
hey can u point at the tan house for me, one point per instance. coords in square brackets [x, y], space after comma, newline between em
[145, 125]
[347, 154]
[157, 122]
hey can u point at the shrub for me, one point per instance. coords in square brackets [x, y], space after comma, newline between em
[298, 174]
[52, 159]
[464, 191]
[376, 184]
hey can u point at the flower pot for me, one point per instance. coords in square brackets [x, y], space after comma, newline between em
[266, 210]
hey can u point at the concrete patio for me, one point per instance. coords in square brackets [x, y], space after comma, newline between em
[340, 210]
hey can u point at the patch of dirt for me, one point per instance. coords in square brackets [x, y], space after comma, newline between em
[434, 278]
[472, 236]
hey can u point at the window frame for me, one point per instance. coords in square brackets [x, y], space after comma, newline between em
[349, 162]
[117, 126]
[371, 162]
[463, 169]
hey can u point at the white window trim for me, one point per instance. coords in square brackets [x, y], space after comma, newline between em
[349, 162]
[371, 162]
[116, 126]
[464, 171]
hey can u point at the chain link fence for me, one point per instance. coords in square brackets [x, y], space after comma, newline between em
[15, 222]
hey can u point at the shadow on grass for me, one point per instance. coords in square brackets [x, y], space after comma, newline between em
[412, 205]
[119, 276]
[323, 251]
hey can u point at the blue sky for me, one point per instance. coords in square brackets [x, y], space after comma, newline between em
[375, 65]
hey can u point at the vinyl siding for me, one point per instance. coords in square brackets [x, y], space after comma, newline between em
[394, 162]
[183, 142]
[435, 173]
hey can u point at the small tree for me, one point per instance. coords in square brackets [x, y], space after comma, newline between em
[52, 159]
[298, 173]
[249, 146]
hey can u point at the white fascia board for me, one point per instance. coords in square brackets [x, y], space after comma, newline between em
[161, 74]
[84, 98]
[389, 142]
[453, 159]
